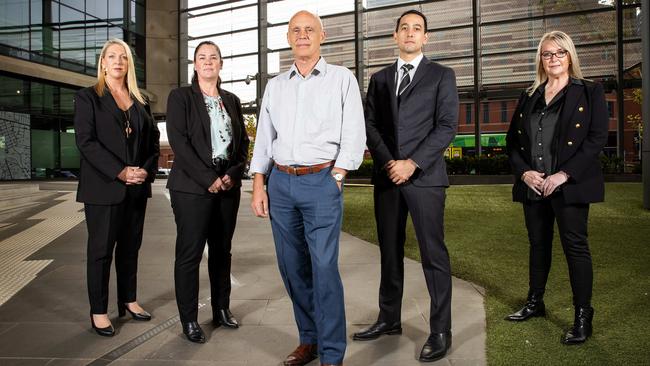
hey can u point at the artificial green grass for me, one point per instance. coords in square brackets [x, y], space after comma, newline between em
[488, 245]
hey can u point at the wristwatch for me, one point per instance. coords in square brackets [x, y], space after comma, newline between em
[338, 177]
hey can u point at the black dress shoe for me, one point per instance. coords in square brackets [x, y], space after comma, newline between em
[378, 329]
[582, 328]
[224, 317]
[534, 307]
[193, 332]
[104, 332]
[122, 308]
[436, 347]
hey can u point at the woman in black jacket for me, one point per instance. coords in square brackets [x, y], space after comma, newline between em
[207, 134]
[118, 142]
[557, 132]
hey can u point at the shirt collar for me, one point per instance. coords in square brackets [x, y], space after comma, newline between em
[572, 81]
[319, 69]
[415, 62]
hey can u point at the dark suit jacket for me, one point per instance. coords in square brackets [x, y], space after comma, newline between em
[188, 130]
[420, 128]
[580, 135]
[101, 141]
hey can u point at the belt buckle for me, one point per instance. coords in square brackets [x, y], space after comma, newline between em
[292, 170]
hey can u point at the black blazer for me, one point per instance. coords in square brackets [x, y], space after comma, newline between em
[188, 130]
[421, 128]
[101, 141]
[580, 135]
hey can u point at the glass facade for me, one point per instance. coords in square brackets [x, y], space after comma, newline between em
[69, 34]
[37, 138]
[505, 47]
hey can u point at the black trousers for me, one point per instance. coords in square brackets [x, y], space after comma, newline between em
[426, 206]
[116, 227]
[571, 220]
[201, 218]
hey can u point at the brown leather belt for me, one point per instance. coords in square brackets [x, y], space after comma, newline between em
[302, 170]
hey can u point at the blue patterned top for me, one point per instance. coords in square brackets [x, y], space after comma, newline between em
[220, 126]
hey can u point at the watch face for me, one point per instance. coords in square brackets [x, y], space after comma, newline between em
[338, 176]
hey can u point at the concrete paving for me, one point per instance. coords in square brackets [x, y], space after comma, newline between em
[46, 321]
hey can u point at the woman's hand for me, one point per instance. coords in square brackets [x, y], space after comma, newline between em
[216, 186]
[534, 180]
[552, 182]
[227, 182]
[132, 175]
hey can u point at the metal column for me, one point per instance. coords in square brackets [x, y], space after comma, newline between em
[645, 154]
[620, 83]
[476, 34]
[262, 57]
[358, 40]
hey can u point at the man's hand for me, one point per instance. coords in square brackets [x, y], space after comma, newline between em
[400, 171]
[260, 201]
[217, 186]
[534, 180]
[341, 171]
[552, 182]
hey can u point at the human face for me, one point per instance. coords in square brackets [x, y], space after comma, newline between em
[555, 67]
[207, 62]
[115, 62]
[305, 36]
[410, 36]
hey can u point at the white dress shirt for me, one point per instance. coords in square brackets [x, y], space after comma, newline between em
[310, 120]
[400, 73]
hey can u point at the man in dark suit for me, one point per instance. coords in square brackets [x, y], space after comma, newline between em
[411, 118]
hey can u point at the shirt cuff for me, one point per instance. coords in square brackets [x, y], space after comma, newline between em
[261, 166]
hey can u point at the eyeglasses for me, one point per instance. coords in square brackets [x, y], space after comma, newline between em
[559, 54]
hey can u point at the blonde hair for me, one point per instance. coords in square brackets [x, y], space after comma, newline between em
[563, 41]
[131, 81]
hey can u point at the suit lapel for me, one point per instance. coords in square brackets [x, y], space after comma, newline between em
[204, 118]
[390, 81]
[110, 104]
[572, 98]
[422, 69]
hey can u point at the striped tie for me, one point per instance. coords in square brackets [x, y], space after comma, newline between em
[406, 78]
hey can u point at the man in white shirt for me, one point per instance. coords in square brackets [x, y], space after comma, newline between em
[310, 133]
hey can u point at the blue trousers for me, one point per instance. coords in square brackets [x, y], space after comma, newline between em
[306, 214]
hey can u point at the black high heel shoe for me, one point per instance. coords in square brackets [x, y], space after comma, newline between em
[104, 332]
[122, 309]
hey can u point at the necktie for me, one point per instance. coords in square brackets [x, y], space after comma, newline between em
[406, 78]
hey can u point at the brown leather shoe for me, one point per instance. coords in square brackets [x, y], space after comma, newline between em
[304, 354]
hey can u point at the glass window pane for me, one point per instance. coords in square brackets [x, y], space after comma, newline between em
[492, 10]
[14, 24]
[230, 44]
[281, 11]
[246, 93]
[97, 8]
[222, 22]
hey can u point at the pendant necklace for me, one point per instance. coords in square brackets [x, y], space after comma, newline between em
[127, 124]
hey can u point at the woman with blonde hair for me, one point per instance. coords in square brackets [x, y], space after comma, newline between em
[119, 147]
[559, 128]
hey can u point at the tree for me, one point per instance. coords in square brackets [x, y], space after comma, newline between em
[634, 120]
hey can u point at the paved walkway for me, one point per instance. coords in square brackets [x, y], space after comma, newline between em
[44, 319]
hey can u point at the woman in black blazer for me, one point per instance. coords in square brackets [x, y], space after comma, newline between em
[119, 147]
[556, 135]
[207, 134]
